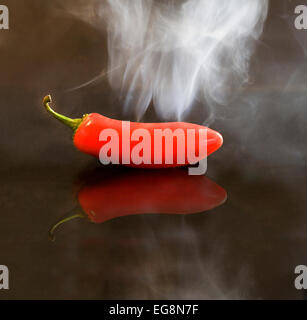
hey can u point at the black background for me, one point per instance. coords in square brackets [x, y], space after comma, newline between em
[246, 248]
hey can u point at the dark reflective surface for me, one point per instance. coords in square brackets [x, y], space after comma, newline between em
[246, 248]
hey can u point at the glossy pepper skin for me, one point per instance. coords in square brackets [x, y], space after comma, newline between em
[88, 128]
[171, 191]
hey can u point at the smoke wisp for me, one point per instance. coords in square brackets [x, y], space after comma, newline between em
[172, 54]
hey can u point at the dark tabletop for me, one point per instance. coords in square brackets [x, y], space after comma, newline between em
[247, 247]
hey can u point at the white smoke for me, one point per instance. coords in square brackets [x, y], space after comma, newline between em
[173, 53]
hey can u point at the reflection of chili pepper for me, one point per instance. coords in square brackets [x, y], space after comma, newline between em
[88, 128]
[171, 191]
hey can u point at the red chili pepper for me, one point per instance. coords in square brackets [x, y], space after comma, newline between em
[88, 128]
[171, 191]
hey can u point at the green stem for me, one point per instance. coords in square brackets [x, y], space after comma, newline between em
[71, 123]
[51, 232]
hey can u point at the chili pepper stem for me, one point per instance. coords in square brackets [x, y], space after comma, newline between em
[71, 123]
[53, 228]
